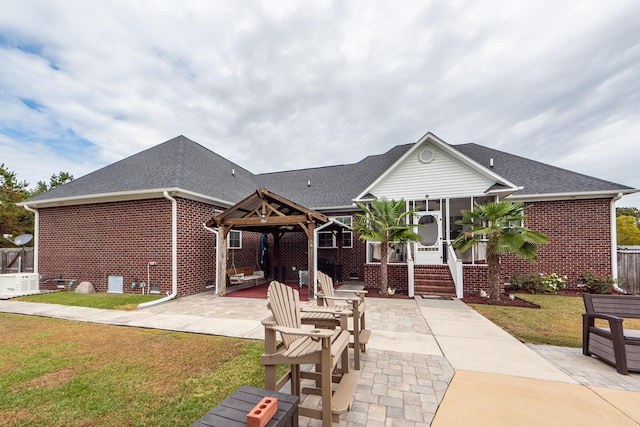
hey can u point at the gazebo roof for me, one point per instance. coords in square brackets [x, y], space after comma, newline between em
[264, 211]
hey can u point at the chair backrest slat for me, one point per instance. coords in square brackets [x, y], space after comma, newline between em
[326, 286]
[284, 303]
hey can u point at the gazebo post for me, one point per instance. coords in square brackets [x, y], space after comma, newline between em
[221, 268]
[311, 259]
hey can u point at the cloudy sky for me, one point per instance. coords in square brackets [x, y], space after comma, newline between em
[279, 85]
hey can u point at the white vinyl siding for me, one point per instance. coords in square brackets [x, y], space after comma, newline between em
[443, 177]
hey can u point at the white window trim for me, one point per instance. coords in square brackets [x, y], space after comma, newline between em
[334, 236]
[229, 240]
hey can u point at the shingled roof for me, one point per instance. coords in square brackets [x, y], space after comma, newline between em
[184, 165]
[534, 177]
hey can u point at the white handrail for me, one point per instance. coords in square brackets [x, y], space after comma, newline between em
[455, 267]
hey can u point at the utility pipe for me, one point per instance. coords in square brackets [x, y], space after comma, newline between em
[214, 231]
[36, 232]
[174, 254]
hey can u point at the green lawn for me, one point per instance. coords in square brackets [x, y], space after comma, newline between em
[557, 322]
[63, 373]
[125, 302]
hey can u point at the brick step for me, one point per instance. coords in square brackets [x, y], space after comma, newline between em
[450, 293]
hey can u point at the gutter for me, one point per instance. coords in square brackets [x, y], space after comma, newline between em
[174, 254]
[214, 231]
[36, 232]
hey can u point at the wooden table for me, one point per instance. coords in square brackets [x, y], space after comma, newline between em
[233, 411]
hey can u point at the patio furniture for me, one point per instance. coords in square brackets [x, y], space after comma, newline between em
[232, 412]
[240, 275]
[323, 348]
[615, 345]
[354, 299]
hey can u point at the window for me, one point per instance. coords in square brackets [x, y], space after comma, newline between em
[329, 239]
[234, 239]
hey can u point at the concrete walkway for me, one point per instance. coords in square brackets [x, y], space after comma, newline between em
[429, 362]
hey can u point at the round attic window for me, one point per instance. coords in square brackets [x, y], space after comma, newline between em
[427, 156]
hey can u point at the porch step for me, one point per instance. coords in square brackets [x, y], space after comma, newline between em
[434, 280]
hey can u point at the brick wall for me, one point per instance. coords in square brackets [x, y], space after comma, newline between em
[580, 239]
[92, 242]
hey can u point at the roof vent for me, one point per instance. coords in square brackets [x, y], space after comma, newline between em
[309, 183]
[233, 172]
[491, 162]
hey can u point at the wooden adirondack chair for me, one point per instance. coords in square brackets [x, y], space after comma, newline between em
[354, 299]
[323, 348]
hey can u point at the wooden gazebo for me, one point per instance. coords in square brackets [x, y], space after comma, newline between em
[269, 213]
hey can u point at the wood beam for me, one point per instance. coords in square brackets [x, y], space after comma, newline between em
[270, 220]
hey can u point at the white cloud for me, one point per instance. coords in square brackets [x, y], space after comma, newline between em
[280, 85]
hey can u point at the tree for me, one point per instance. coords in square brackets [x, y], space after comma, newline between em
[56, 180]
[634, 212]
[385, 221]
[501, 224]
[14, 220]
[628, 233]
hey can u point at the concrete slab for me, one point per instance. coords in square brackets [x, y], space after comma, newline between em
[499, 357]
[465, 328]
[627, 402]
[408, 342]
[498, 400]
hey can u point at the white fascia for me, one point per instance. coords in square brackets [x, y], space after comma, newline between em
[120, 196]
[604, 194]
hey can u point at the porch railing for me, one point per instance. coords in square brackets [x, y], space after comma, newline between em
[455, 267]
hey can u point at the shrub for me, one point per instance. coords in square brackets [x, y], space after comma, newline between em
[599, 283]
[539, 283]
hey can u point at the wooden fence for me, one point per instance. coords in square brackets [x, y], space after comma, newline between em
[16, 260]
[629, 268]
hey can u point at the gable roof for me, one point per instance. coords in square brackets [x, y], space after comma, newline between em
[193, 171]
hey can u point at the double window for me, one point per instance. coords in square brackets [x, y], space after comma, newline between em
[329, 239]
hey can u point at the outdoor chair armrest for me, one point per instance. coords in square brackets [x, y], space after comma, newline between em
[357, 292]
[330, 310]
[314, 333]
[269, 321]
[348, 299]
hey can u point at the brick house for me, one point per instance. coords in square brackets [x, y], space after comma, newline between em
[143, 219]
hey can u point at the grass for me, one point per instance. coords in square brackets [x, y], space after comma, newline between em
[56, 372]
[126, 302]
[557, 322]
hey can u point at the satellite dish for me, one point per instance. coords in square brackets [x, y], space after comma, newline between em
[22, 239]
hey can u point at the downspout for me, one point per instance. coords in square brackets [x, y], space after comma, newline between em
[410, 272]
[174, 254]
[614, 237]
[36, 233]
[214, 231]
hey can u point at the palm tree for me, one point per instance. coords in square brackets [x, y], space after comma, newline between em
[501, 224]
[385, 221]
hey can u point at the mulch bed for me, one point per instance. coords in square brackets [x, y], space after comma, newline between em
[504, 301]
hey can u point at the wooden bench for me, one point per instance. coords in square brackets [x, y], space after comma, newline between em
[614, 345]
[240, 275]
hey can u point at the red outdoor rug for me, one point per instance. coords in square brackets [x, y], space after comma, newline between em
[260, 291]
